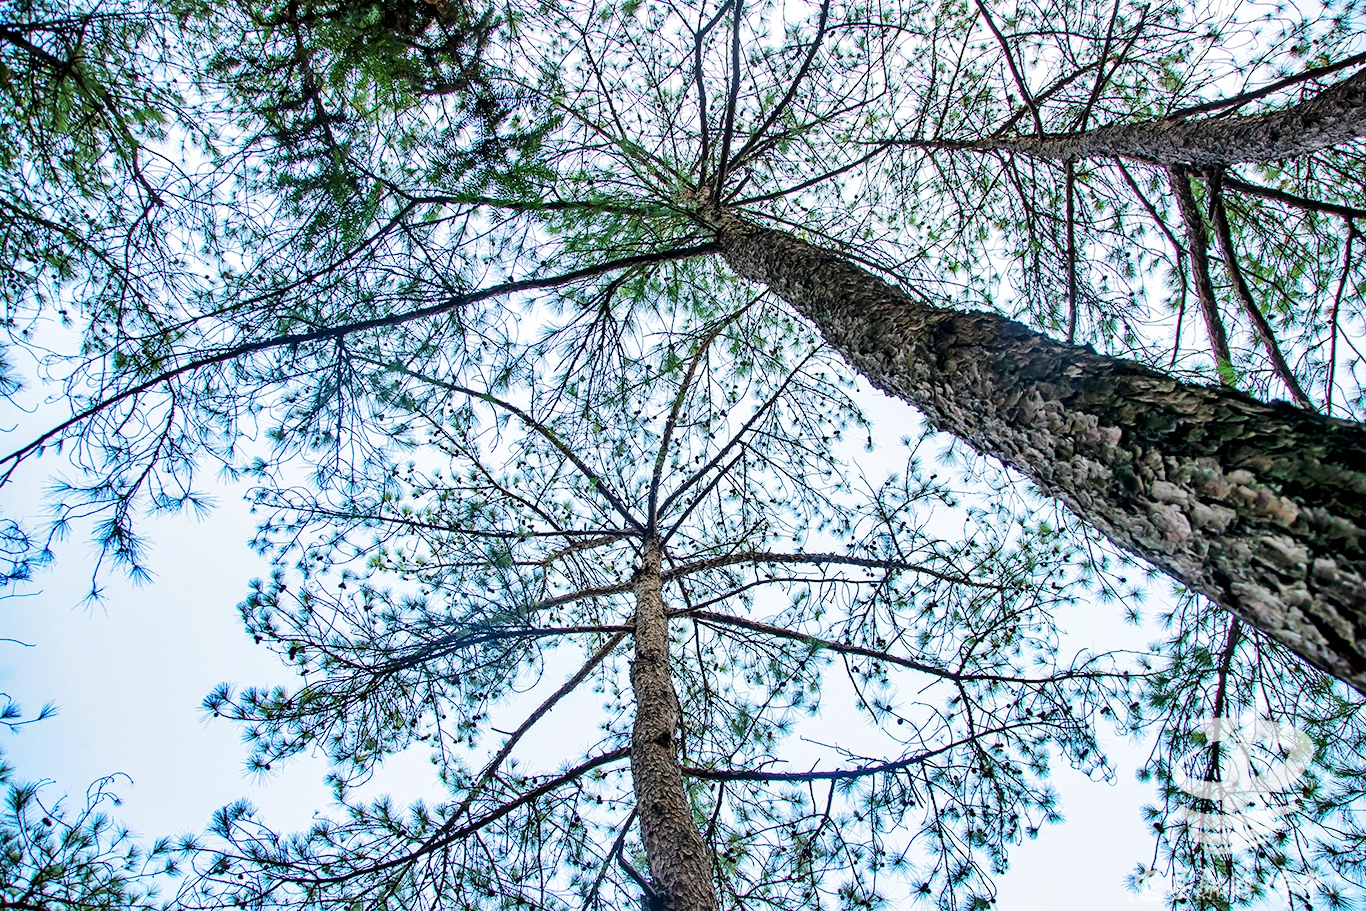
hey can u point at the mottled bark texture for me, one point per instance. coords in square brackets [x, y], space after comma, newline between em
[680, 866]
[1259, 506]
[1334, 116]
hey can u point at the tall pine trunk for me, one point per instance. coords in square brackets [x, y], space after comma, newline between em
[1334, 116]
[1259, 506]
[680, 866]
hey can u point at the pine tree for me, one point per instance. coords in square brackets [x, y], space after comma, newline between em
[675, 526]
[54, 857]
[997, 214]
[416, 156]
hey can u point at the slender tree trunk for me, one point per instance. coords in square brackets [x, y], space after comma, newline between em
[1197, 241]
[1262, 507]
[1334, 116]
[679, 863]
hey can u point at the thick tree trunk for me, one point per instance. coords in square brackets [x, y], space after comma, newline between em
[1334, 116]
[1262, 507]
[680, 866]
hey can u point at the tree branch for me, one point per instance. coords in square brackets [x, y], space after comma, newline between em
[568, 687]
[1337, 301]
[1025, 96]
[652, 518]
[1070, 188]
[594, 479]
[336, 332]
[728, 122]
[848, 774]
[1299, 202]
[1101, 75]
[735, 440]
[446, 835]
[1219, 217]
[1198, 244]
[790, 94]
[844, 648]
[764, 558]
[1245, 97]
[1335, 116]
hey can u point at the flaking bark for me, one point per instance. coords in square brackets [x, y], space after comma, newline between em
[680, 867]
[1258, 506]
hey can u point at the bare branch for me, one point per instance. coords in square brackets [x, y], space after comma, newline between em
[1198, 243]
[1335, 116]
[702, 128]
[1014, 70]
[1219, 217]
[764, 558]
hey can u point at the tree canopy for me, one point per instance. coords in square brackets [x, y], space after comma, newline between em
[697, 476]
[54, 857]
[558, 256]
[414, 160]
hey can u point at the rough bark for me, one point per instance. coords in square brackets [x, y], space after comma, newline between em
[680, 867]
[1334, 116]
[1262, 507]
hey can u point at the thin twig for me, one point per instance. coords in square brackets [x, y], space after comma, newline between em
[1014, 70]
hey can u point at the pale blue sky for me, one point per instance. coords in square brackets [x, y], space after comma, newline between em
[129, 675]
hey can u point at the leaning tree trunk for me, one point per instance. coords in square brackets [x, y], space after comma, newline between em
[1261, 507]
[680, 866]
[1334, 116]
